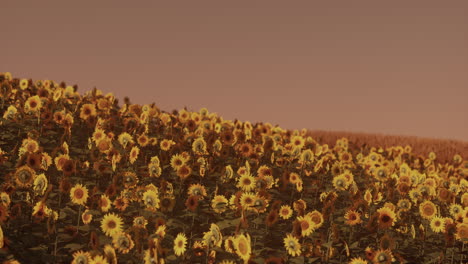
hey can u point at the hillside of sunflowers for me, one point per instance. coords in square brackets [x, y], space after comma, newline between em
[84, 180]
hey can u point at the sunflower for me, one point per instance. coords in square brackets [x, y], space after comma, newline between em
[228, 138]
[454, 209]
[368, 196]
[79, 194]
[87, 110]
[105, 203]
[184, 171]
[245, 149]
[86, 217]
[199, 146]
[306, 224]
[438, 224]
[242, 246]
[33, 104]
[317, 218]
[246, 182]
[197, 189]
[294, 178]
[386, 217]
[130, 179]
[177, 161]
[98, 134]
[260, 204]
[340, 182]
[167, 203]
[352, 218]
[24, 176]
[297, 142]
[24, 83]
[160, 231]
[81, 257]
[134, 154]
[427, 209]
[462, 231]
[40, 184]
[285, 212]
[404, 205]
[151, 200]
[98, 259]
[383, 257]
[292, 245]
[192, 202]
[219, 203]
[180, 242]
[166, 144]
[357, 261]
[123, 242]
[111, 224]
[143, 140]
[121, 203]
[5, 199]
[247, 199]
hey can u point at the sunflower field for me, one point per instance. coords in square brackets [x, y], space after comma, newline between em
[84, 180]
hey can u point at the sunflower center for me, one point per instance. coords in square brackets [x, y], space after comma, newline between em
[79, 194]
[304, 225]
[24, 176]
[242, 248]
[111, 224]
[386, 218]
[428, 210]
[33, 104]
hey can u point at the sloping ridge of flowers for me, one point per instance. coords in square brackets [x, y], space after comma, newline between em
[84, 180]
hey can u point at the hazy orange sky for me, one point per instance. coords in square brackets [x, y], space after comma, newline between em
[393, 67]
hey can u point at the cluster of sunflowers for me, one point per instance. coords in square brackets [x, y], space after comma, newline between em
[86, 181]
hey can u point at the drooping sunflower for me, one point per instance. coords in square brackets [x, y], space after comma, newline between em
[197, 189]
[462, 231]
[160, 231]
[125, 138]
[79, 194]
[383, 257]
[427, 210]
[219, 203]
[317, 218]
[111, 224]
[292, 245]
[123, 242]
[81, 257]
[199, 146]
[86, 217]
[151, 200]
[352, 218]
[40, 184]
[340, 182]
[242, 246]
[134, 154]
[438, 224]
[404, 205]
[180, 242]
[246, 182]
[386, 217]
[105, 203]
[24, 176]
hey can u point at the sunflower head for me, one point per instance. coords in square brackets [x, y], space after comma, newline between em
[79, 194]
